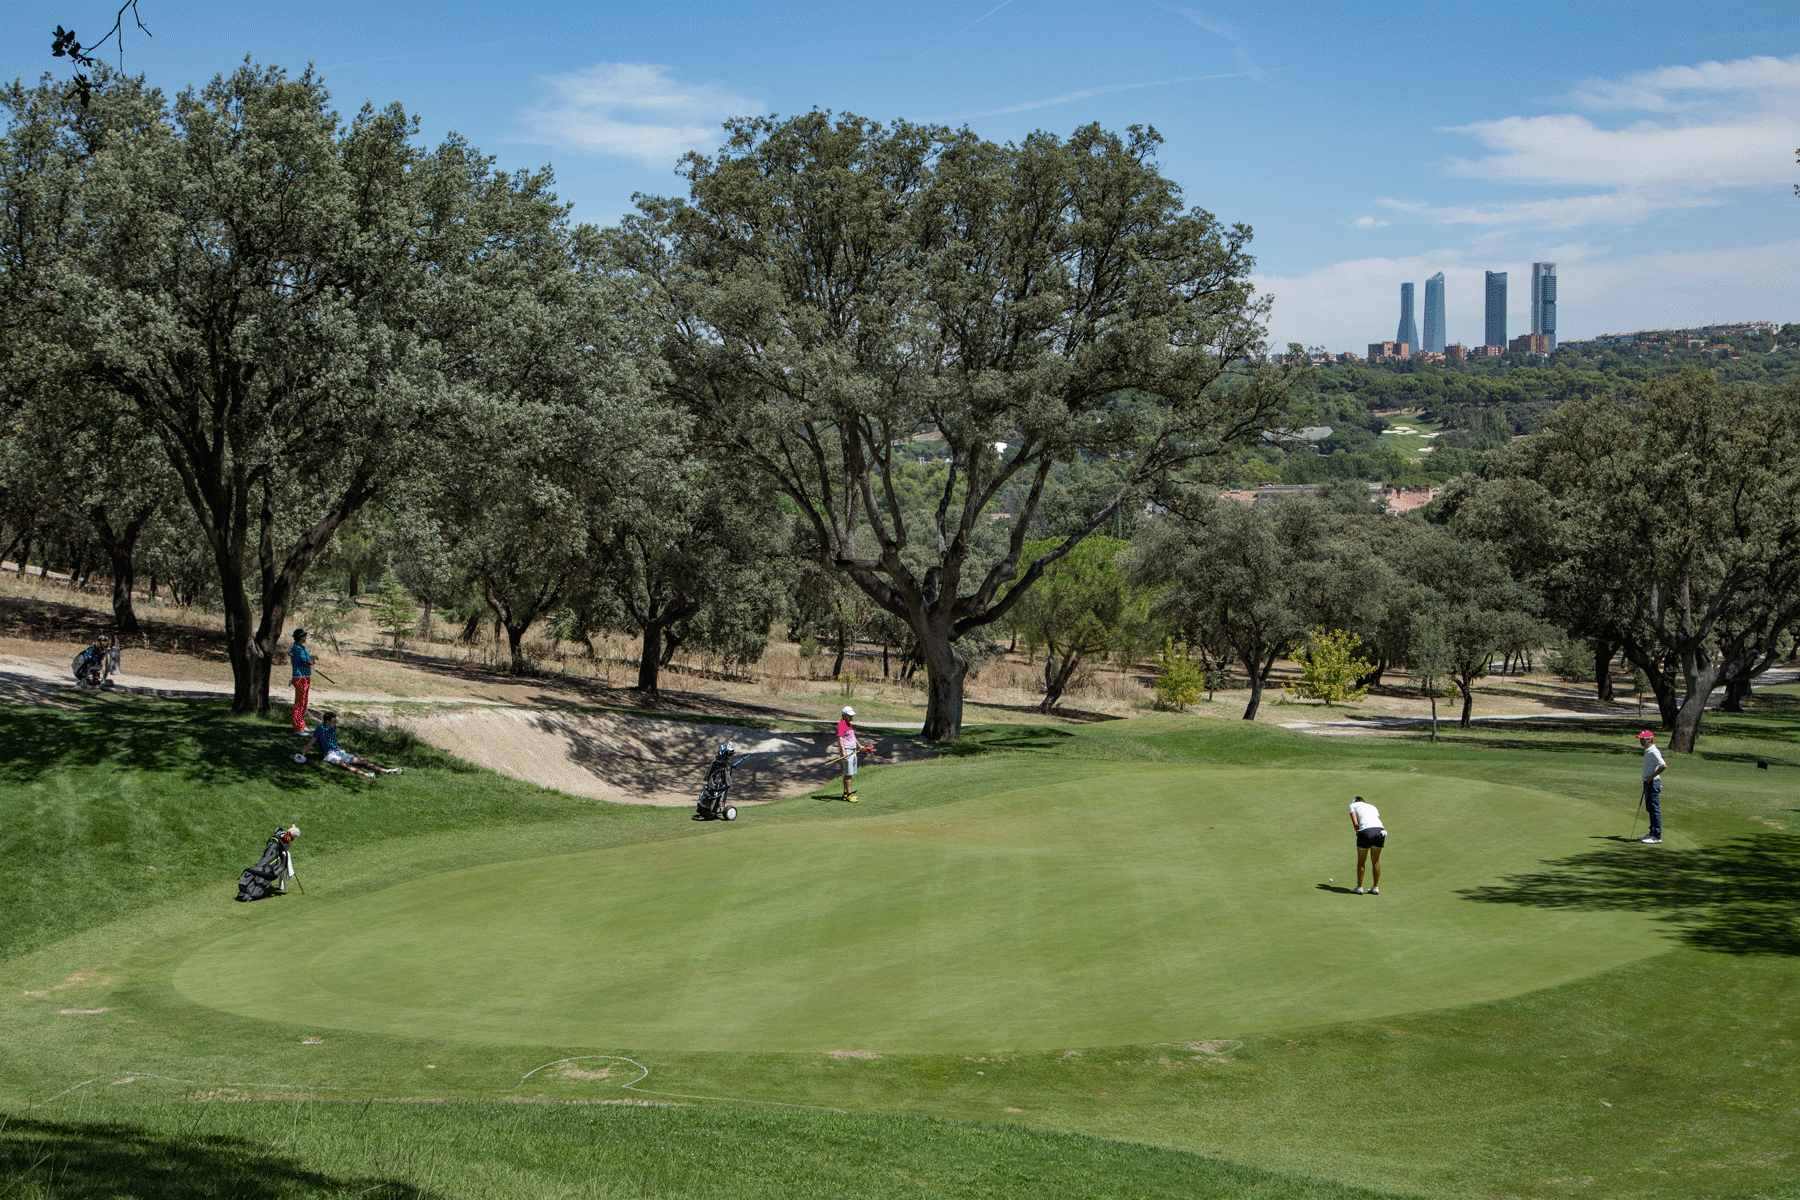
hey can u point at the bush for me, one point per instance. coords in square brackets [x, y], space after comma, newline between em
[1329, 667]
[1183, 676]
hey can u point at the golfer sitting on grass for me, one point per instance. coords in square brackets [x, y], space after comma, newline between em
[1365, 818]
[325, 737]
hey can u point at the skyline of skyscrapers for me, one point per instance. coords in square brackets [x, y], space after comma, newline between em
[1437, 329]
[1543, 303]
[1496, 308]
[1434, 313]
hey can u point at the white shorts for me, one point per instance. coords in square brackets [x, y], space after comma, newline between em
[850, 764]
[337, 756]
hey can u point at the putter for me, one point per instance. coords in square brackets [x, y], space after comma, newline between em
[1634, 816]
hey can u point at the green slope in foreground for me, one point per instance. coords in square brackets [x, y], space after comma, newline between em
[1130, 907]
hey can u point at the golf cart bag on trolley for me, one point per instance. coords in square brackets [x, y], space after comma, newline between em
[96, 664]
[272, 871]
[717, 788]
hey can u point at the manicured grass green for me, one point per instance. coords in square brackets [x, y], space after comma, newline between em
[1136, 906]
[1671, 1075]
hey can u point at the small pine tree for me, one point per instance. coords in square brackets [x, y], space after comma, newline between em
[1329, 667]
[394, 611]
[1183, 676]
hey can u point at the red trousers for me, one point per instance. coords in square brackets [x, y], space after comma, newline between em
[302, 685]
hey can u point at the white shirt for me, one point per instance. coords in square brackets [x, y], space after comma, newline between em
[1367, 815]
[1652, 759]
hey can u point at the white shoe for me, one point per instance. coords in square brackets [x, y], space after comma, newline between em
[1374, 891]
[1651, 841]
[1357, 892]
[390, 770]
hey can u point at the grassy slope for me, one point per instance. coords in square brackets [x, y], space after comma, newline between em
[1672, 1077]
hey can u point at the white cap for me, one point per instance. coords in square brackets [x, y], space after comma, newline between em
[848, 711]
[293, 831]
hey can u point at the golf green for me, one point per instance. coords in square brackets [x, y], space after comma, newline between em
[1152, 904]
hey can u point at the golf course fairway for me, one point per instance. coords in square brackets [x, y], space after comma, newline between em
[1133, 906]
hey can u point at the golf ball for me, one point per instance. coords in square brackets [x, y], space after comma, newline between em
[300, 758]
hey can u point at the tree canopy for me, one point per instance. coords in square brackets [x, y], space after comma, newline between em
[834, 289]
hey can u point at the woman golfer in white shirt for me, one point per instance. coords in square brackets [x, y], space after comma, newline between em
[1365, 818]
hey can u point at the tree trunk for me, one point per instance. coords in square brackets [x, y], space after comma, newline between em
[515, 640]
[471, 627]
[1603, 656]
[120, 547]
[1056, 678]
[650, 658]
[1662, 682]
[837, 664]
[1467, 687]
[945, 670]
[1434, 715]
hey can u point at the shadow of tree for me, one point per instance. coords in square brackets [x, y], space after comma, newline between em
[57, 1160]
[1742, 897]
[988, 738]
[198, 739]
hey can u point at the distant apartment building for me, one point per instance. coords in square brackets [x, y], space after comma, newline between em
[1530, 343]
[1487, 351]
[1388, 351]
[1456, 353]
[1543, 303]
[1434, 313]
[1409, 333]
[1496, 308]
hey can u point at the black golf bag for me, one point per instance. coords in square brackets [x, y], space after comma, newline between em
[269, 876]
[717, 788]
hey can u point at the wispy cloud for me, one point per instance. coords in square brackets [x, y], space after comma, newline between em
[972, 24]
[1370, 223]
[1231, 35]
[1084, 93]
[635, 110]
[1704, 129]
[1765, 82]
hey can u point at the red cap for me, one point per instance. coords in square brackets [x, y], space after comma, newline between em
[1646, 734]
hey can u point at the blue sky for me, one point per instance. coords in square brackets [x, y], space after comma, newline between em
[1646, 148]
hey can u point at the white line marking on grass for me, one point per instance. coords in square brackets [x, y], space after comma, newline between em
[632, 1086]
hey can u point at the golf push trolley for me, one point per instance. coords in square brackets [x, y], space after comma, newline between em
[716, 791]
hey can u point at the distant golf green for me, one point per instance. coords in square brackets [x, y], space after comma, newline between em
[1149, 904]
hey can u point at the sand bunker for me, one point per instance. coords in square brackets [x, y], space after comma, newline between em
[632, 760]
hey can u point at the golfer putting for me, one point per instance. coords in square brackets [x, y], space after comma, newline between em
[1371, 836]
[848, 749]
[325, 738]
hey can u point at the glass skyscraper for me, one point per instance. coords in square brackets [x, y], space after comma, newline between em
[1434, 313]
[1409, 332]
[1496, 309]
[1543, 302]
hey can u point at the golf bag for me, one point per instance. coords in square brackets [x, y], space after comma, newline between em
[87, 667]
[717, 788]
[269, 876]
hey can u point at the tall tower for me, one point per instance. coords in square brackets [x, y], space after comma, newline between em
[1434, 313]
[1543, 302]
[1496, 309]
[1409, 332]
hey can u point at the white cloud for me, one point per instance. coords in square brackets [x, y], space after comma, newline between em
[1764, 82]
[634, 110]
[1350, 304]
[1572, 151]
[1370, 223]
[1705, 129]
[1558, 213]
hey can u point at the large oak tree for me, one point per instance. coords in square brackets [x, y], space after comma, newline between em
[835, 288]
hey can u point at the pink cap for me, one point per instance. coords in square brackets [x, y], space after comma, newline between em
[1646, 734]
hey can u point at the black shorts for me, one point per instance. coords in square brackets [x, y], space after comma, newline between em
[1371, 839]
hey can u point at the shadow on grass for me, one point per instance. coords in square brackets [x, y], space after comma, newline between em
[987, 739]
[1735, 898]
[54, 1160]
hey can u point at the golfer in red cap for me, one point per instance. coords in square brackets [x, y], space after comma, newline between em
[1654, 766]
